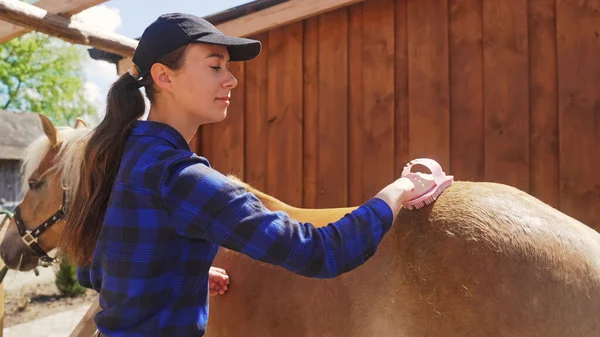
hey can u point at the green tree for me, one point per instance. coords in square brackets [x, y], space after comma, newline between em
[43, 74]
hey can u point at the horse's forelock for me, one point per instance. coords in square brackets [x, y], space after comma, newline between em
[32, 158]
[69, 158]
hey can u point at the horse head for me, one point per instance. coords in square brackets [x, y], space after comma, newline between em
[48, 168]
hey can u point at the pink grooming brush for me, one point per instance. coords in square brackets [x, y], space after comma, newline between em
[442, 181]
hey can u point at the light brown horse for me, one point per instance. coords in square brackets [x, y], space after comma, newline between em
[484, 260]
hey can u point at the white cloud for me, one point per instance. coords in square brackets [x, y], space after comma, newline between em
[101, 17]
[33, 94]
[100, 70]
[93, 95]
[99, 74]
[92, 91]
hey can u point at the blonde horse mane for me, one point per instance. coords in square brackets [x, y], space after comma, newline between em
[67, 161]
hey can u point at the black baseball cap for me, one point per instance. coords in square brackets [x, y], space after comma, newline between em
[173, 30]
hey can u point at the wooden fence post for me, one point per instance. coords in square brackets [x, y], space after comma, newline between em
[1, 302]
[86, 326]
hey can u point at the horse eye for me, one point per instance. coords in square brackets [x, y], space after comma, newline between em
[34, 184]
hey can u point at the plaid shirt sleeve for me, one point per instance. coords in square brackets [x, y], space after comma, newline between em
[83, 277]
[202, 203]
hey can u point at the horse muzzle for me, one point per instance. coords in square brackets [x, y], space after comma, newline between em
[15, 253]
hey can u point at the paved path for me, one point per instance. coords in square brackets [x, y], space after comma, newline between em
[57, 325]
[15, 280]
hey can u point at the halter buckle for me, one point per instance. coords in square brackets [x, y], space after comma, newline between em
[29, 239]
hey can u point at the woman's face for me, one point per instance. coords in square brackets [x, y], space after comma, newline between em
[202, 87]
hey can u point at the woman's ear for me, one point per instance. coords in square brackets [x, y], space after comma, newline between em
[161, 76]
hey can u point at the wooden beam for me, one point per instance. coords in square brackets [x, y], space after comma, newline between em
[38, 19]
[280, 15]
[9, 31]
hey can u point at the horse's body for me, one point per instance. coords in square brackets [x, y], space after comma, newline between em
[484, 260]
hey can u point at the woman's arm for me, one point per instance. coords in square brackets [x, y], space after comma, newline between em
[205, 204]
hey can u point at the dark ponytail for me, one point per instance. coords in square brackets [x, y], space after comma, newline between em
[101, 161]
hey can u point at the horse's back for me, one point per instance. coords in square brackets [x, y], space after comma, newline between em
[488, 259]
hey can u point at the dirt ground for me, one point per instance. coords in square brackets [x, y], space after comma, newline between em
[33, 301]
[37, 301]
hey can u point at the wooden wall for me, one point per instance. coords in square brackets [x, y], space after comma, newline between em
[503, 91]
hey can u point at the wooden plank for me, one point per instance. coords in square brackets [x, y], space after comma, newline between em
[543, 100]
[9, 31]
[196, 142]
[234, 131]
[32, 17]
[284, 160]
[280, 15]
[226, 140]
[506, 92]
[333, 109]
[579, 109]
[311, 112]
[356, 117]
[86, 326]
[207, 137]
[429, 106]
[402, 132]
[2, 293]
[467, 155]
[376, 134]
[256, 118]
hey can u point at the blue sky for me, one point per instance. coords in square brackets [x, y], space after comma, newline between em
[137, 14]
[130, 18]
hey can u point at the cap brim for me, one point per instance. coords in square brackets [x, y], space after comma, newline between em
[240, 49]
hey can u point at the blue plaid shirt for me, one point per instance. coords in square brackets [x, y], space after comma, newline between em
[167, 216]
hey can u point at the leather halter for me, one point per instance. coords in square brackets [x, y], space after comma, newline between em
[30, 238]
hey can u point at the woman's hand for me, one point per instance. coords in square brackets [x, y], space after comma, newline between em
[412, 186]
[217, 281]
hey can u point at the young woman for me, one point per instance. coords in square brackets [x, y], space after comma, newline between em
[150, 214]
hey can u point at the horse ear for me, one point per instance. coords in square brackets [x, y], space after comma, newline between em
[80, 123]
[49, 129]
